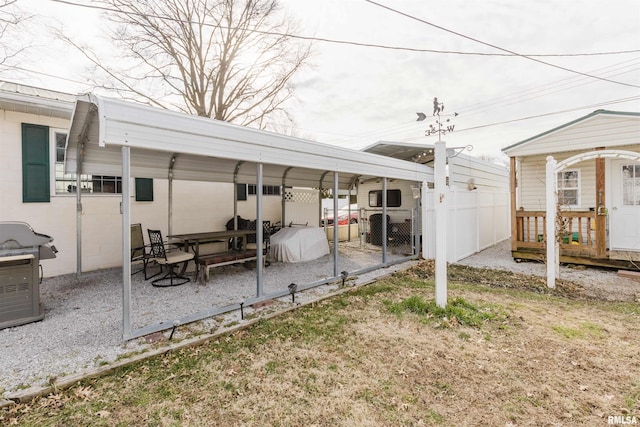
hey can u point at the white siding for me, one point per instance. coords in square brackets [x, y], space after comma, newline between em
[485, 175]
[531, 180]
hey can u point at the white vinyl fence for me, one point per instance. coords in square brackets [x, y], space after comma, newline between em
[476, 220]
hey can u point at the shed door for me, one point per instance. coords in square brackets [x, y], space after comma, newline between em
[624, 217]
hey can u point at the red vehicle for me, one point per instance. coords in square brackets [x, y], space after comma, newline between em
[344, 216]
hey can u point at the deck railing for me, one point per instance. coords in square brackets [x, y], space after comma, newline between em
[577, 238]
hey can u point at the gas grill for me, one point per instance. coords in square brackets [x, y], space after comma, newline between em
[21, 250]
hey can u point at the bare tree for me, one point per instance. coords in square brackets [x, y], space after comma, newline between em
[230, 60]
[11, 44]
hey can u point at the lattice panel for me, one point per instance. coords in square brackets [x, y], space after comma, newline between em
[297, 196]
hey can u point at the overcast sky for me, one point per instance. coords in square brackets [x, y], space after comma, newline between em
[355, 96]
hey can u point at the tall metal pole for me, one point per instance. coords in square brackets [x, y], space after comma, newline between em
[259, 230]
[335, 224]
[552, 244]
[126, 243]
[384, 220]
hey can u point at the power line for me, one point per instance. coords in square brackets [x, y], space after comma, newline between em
[361, 44]
[495, 46]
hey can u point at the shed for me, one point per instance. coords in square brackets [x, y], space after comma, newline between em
[598, 190]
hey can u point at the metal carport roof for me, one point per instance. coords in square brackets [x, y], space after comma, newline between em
[209, 150]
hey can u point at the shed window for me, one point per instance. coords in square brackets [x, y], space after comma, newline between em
[267, 190]
[394, 198]
[569, 188]
[631, 185]
[65, 183]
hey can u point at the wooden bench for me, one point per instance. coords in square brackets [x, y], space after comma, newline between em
[205, 262]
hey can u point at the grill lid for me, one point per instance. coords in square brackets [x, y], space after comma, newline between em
[18, 235]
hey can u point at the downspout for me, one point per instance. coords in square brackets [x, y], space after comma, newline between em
[236, 170]
[353, 183]
[320, 198]
[282, 196]
[82, 138]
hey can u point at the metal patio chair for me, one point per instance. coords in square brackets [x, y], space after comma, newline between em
[140, 252]
[169, 260]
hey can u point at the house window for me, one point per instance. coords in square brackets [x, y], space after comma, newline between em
[267, 190]
[394, 198]
[631, 185]
[65, 183]
[569, 188]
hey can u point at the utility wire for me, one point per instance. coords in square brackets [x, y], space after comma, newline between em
[506, 53]
[495, 46]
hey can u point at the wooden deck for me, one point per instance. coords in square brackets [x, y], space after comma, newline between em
[581, 243]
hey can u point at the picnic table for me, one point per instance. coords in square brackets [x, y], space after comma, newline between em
[192, 241]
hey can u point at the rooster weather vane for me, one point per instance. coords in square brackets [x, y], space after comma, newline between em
[438, 127]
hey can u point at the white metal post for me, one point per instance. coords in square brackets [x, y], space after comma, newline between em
[425, 238]
[440, 204]
[335, 224]
[259, 230]
[126, 243]
[552, 242]
[384, 220]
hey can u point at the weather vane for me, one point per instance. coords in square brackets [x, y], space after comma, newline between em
[438, 127]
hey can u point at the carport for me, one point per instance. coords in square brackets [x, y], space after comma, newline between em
[113, 137]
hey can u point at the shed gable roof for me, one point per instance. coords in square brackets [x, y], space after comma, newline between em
[601, 128]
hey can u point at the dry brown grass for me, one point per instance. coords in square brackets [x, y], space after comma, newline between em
[361, 359]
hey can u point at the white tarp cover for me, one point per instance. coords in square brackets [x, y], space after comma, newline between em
[295, 244]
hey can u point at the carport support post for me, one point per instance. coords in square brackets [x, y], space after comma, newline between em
[440, 205]
[425, 223]
[259, 230]
[384, 220]
[553, 251]
[335, 224]
[126, 243]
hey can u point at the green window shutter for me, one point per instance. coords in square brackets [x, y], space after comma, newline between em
[35, 163]
[144, 189]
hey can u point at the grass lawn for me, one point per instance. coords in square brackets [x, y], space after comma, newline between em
[506, 351]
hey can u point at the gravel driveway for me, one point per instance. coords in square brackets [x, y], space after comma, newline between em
[601, 283]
